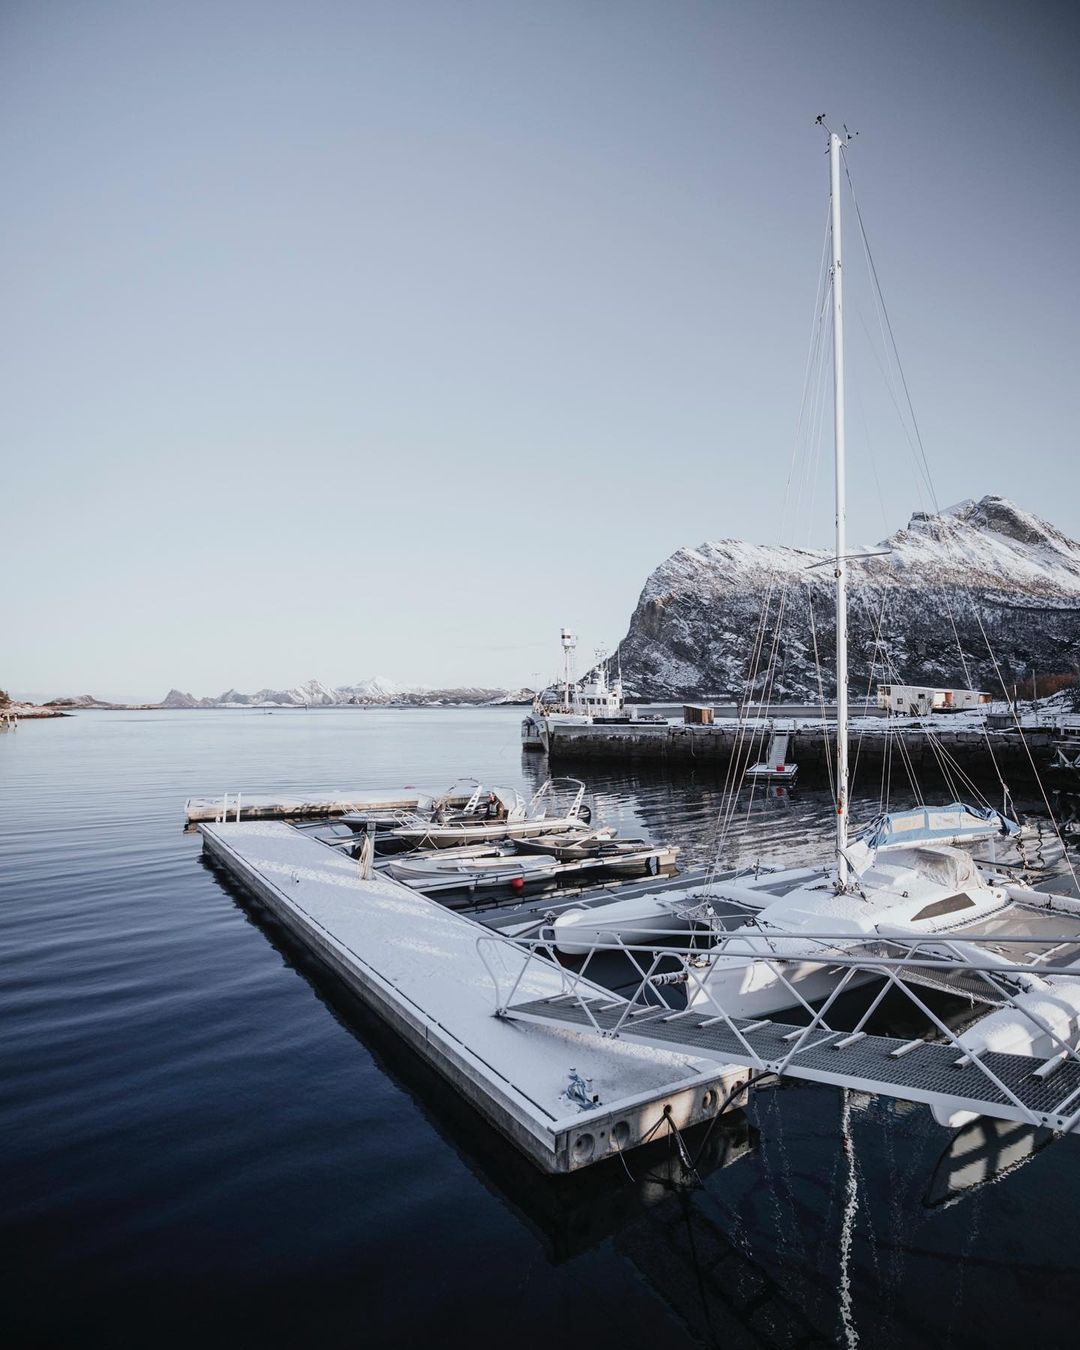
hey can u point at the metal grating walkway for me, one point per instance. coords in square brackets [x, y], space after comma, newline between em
[925, 1071]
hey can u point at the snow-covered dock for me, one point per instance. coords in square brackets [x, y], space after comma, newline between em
[271, 806]
[431, 974]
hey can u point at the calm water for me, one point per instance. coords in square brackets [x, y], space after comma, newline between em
[204, 1141]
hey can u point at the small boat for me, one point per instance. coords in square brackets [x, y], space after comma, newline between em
[461, 800]
[915, 891]
[602, 853]
[502, 815]
[476, 873]
[572, 844]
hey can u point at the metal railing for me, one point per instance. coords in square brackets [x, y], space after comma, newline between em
[898, 962]
[228, 805]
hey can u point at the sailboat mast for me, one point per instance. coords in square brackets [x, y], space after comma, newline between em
[841, 521]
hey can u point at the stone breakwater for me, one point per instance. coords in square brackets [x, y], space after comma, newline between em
[976, 752]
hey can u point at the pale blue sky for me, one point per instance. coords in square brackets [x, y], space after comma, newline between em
[343, 338]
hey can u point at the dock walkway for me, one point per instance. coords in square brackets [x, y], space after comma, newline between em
[918, 1071]
[271, 806]
[419, 965]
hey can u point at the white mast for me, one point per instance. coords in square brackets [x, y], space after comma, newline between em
[569, 642]
[841, 522]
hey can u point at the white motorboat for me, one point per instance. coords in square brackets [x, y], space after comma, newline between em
[461, 800]
[558, 805]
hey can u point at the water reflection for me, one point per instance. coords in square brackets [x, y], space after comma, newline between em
[745, 1250]
[193, 1137]
[984, 1151]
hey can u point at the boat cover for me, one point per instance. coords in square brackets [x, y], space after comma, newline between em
[944, 866]
[933, 824]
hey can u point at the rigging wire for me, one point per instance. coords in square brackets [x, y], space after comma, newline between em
[877, 292]
[807, 422]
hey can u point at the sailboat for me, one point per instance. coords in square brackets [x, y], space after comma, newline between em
[905, 874]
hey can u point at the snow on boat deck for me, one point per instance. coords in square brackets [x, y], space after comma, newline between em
[419, 965]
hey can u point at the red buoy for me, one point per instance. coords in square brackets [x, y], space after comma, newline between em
[517, 883]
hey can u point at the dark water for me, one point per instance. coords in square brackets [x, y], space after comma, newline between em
[205, 1142]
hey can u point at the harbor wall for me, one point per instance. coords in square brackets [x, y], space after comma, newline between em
[975, 752]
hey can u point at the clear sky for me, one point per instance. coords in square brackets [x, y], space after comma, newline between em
[344, 337]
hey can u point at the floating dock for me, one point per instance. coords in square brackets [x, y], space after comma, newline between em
[240, 806]
[430, 973]
[1006, 1086]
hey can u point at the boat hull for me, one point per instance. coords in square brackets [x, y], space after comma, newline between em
[636, 921]
[750, 987]
[451, 836]
[464, 875]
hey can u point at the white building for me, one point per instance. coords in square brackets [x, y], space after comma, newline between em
[916, 700]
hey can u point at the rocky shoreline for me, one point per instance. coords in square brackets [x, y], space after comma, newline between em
[24, 712]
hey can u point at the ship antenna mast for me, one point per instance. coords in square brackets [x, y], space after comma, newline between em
[569, 642]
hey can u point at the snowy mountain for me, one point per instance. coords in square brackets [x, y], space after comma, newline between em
[987, 573]
[520, 697]
[375, 692]
[377, 689]
[176, 698]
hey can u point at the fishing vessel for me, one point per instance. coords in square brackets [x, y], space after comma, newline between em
[597, 698]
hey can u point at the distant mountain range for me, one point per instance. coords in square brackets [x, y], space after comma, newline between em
[974, 595]
[978, 578]
[375, 692]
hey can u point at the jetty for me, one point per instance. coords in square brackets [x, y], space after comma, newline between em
[241, 806]
[976, 749]
[434, 975]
